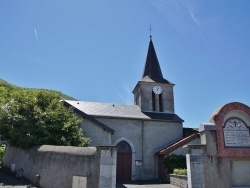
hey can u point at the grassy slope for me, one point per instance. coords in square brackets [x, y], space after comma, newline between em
[6, 90]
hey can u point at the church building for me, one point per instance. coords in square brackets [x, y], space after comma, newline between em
[140, 131]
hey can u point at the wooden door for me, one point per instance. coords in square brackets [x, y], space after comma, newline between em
[123, 166]
[124, 155]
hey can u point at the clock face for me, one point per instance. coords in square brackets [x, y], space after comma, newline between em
[157, 90]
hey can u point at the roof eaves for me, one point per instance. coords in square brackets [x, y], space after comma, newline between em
[178, 144]
[90, 118]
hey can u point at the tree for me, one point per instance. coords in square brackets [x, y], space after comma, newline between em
[38, 117]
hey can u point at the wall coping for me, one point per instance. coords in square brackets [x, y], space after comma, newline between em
[194, 146]
[179, 176]
[207, 127]
[106, 147]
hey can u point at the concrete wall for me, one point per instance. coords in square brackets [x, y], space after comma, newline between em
[55, 166]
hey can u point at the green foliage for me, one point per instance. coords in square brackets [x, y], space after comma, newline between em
[175, 162]
[179, 171]
[38, 117]
[2, 148]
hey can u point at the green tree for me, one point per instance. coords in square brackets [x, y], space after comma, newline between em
[38, 117]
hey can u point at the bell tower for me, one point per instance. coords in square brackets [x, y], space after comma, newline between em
[153, 93]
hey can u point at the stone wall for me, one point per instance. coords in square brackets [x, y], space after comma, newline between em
[55, 166]
[178, 180]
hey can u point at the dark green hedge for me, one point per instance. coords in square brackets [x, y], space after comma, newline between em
[175, 161]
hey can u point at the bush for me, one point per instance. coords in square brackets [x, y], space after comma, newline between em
[178, 171]
[2, 148]
[175, 162]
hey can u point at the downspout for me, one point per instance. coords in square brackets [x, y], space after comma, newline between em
[142, 149]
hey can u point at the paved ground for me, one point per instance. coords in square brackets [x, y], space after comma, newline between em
[9, 181]
[144, 185]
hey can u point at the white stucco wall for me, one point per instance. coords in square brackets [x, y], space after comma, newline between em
[98, 136]
[147, 137]
[157, 135]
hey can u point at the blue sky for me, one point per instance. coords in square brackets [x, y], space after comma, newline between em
[96, 50]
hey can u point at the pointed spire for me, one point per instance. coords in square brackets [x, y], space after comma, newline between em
[152, 67]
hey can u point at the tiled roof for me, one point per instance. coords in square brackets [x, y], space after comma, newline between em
[95, 109]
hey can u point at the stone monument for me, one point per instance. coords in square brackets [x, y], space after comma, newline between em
[223, 158]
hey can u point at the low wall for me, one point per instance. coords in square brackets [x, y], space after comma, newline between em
[55, 166]
[178, 180]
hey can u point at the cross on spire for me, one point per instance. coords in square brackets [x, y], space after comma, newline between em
[150, 31]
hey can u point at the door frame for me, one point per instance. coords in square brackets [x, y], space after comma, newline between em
[133, 154]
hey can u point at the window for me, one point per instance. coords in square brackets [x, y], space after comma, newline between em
[160, 103]
[153, 101]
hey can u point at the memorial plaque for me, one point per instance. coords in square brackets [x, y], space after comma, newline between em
[236, 133]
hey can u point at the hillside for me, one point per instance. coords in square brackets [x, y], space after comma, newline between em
[7, 90]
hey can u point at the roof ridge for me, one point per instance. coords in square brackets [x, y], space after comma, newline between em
[106, 103]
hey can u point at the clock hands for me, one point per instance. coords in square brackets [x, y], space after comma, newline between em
[157, 90]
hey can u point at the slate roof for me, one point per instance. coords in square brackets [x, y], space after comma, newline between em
[95, 109]
[152, 67]
[78, 111]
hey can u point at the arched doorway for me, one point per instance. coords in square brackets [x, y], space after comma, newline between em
[124, 158]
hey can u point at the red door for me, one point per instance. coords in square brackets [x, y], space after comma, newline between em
[124, 155]
[123, 171]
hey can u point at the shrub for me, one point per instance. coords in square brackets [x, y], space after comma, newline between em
[2, 148]
[179, 171]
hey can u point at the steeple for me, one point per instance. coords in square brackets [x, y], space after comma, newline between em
[152, 67]
[153, 93]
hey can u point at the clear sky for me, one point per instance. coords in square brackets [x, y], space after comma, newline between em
[95, 50]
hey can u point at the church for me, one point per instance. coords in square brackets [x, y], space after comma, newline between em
[142, 132]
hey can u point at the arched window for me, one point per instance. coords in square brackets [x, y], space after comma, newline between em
[123, 146]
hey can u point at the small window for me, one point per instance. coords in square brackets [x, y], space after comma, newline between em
[153, 101]
[160, 103]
